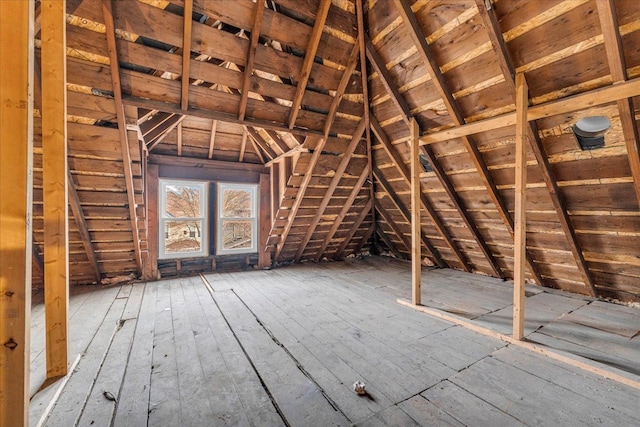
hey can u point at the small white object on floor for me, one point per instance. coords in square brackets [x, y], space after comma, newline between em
[358, 387]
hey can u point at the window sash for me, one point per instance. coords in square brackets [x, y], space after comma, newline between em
[222, 220]
[200, 220]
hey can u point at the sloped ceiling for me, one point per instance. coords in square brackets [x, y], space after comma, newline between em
[281, 84]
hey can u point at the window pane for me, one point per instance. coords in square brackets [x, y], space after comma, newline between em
[237, 234]
[183, 201]
[236, 203]
[182, 236]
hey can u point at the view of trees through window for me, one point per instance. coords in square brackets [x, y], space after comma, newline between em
[237, 218]
[184, 215]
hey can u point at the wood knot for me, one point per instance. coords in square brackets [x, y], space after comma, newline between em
[11, 344]
[9, 294]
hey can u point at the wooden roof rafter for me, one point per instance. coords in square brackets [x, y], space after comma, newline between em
[251, 56]
[618, 68]
[441, 86]
[508, 70]
[260, 142]
[107, 9]
[212, 138]
[354, 228]
[346, 75]
[402, 105]
[339, 173]
[309, 58]
[83, 229]
[399, 205]
[425, 203]
[337, 222]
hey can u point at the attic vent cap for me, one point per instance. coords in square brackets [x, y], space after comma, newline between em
[592, 126]
[590, 131]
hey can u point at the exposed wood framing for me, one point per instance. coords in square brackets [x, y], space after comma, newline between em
[186, 53]
[360, 16]
[152, 143]
[581, 101]
[416, 229]
[243, 146]
[508, 70]
[251, 56]
[264, 222]
[406, 214]
[256, 148]
[213, 115]
[406, 241]
[179, 142]
[318, 149]
[107, 9]
[277, 141]
[618, 69]
[309, 58]
[55, 186]
[16, 151]
[260, 142]
[81, 223]
[337, 222]
[520, 238]
[354, 228]
[424, 202]
[401, 104]
[212, 138]
[38, 260]
[344, 162]
[457, 117]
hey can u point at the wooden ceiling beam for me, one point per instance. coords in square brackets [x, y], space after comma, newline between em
[569, 104]
[152, 143]
[346, 75]
[337, 222]
[425, 203]
[342, 167]
[83, 229]
[251, 56]
[214, 115]
[309, 58]
[618, 69]
[186, 53]
[442, 87]
[499, 45]
[107, 9]
[386, 187]
[403, 106]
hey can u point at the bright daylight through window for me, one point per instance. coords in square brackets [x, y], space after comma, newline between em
[183, 225]
[237, 218]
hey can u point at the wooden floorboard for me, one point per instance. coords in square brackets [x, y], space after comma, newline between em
[285, 346]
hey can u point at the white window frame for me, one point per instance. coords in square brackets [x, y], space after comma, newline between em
[162, 219]
[221, 186]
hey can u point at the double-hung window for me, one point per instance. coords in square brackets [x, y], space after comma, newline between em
[237, 229]
[183, 219]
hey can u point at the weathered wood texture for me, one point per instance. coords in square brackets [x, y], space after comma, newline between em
[16, 147]
[241, 349]
[248, 68]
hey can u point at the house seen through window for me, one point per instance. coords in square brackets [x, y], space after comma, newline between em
[183, 219]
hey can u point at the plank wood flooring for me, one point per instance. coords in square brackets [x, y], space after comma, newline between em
[283, 347]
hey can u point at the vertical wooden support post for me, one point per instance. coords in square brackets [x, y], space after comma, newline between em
[520, 237]
[264, 221]
[153, 236]
[16, 148]
[55, 191]
[416, 257]
[275, 189]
